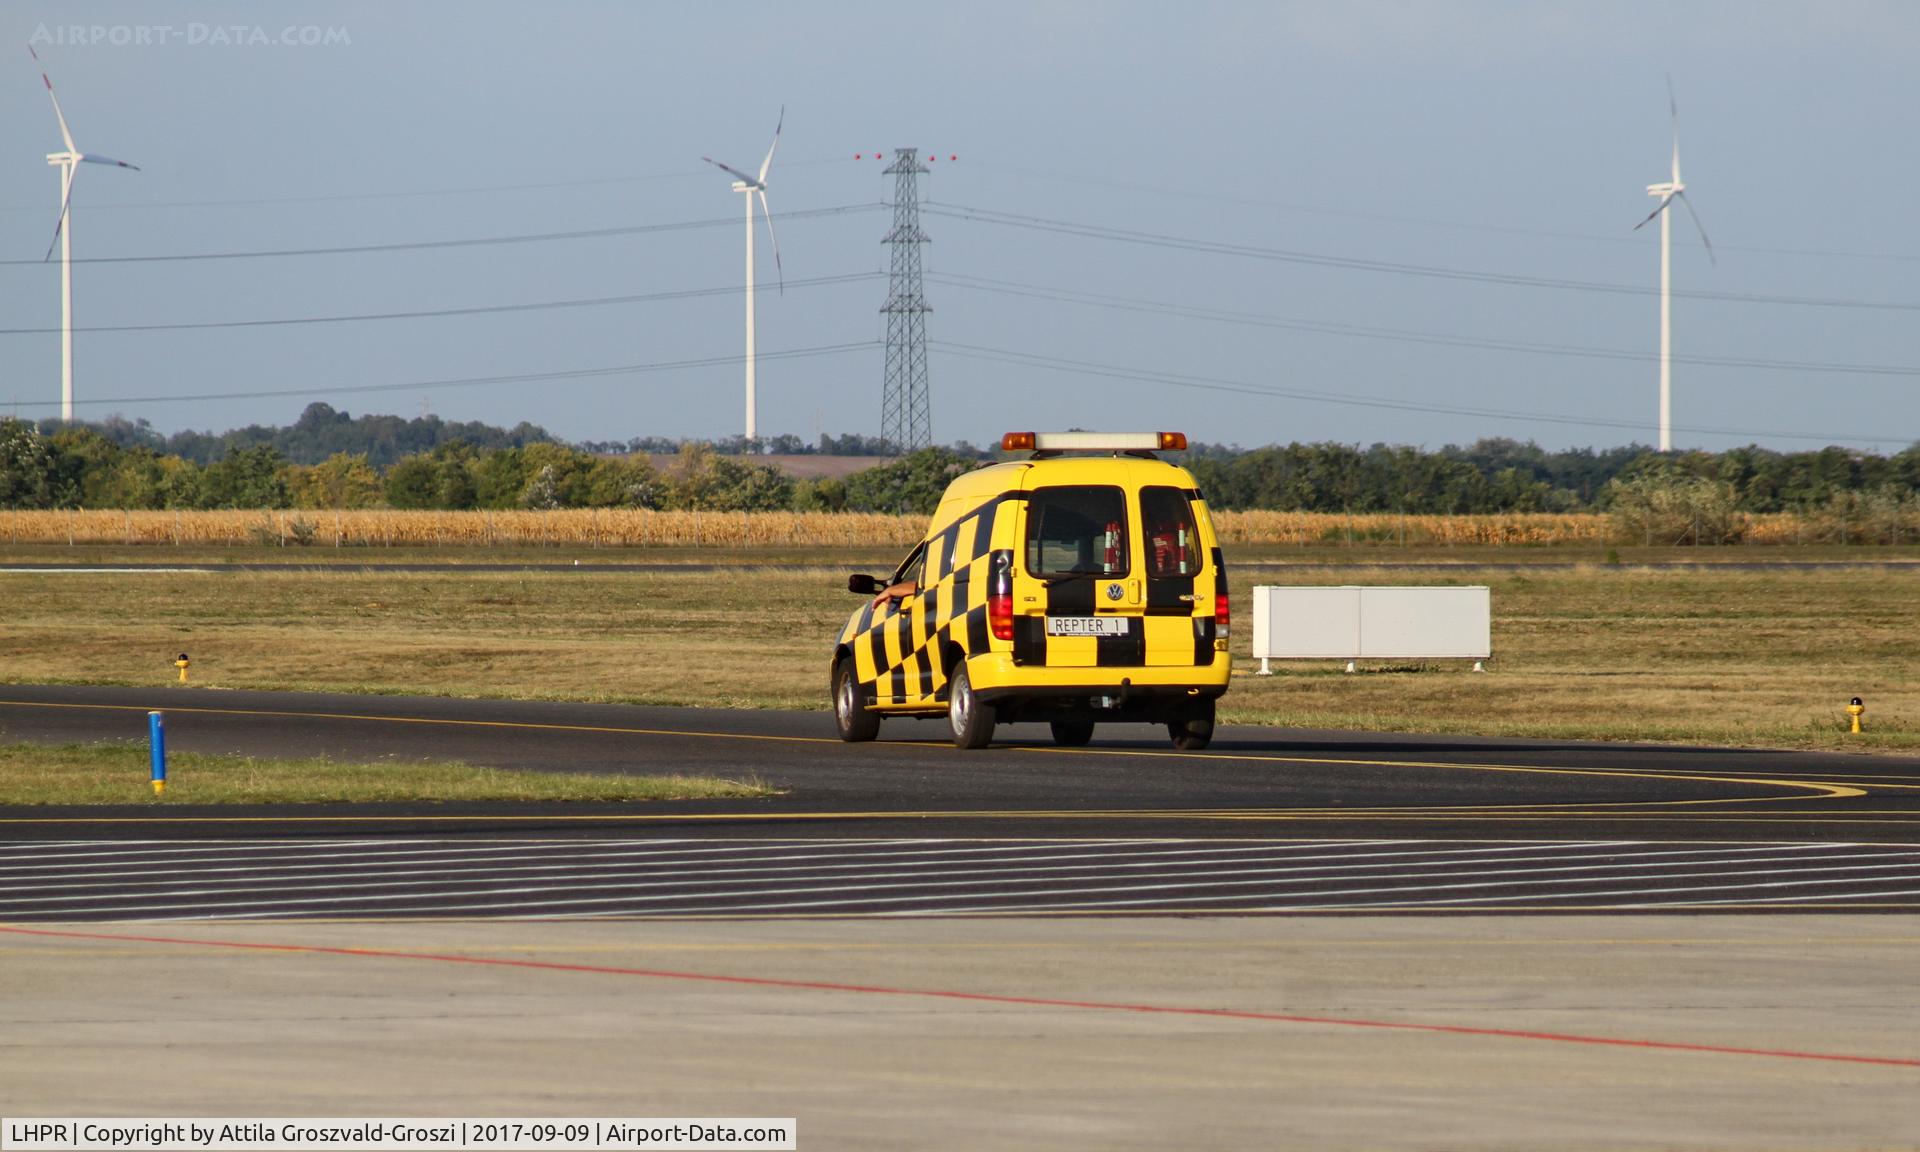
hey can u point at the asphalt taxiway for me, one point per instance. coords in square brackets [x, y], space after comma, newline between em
[1265, 821]
[1252, 781]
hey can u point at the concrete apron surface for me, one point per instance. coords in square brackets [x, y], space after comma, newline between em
[1747, 1032]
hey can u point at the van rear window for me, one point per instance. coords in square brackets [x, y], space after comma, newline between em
[1077, 530]
[1173, 543]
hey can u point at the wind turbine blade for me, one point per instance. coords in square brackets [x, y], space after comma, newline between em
[778, 271]
[730, 170]
[768, 162]
[66, 200]
[1673, 115]
[96, 158]
[1661, 207]
[1701, 228]
[57, 114]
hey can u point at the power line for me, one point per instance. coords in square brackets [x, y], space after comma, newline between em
[433, 313]
[1041, 292]
[1076, 179]
[968, 351]
[1219, 384]
[1362, 331]
[472, 381]
[1321, 260]
[1081, 180]
[341, 197]
[467, 242]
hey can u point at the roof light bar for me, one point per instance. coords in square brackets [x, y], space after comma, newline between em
[1094, 441]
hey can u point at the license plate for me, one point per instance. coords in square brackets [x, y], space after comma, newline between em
[1086, 626]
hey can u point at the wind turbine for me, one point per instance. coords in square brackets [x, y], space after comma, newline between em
[1669, 191]
[756, 186]
[67, 162]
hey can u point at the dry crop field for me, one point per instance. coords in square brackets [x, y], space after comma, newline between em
[385, 528]
[375, 529]
[1762, 656]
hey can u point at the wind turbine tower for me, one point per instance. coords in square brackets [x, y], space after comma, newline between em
[68, 163]
[753, 186]
[1668, 191]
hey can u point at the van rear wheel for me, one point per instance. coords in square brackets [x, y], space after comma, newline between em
[971, 719]
[1193, 731]
[1072, 733]
[856, 723]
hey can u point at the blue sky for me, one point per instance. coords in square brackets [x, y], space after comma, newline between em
[1509, 142]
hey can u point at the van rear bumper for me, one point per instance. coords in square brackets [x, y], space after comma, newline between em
[995, 677]
[1123, 695]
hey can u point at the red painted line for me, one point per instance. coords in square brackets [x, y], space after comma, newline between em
[983, 997]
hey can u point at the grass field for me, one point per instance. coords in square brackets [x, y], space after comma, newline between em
[118, 774]
[1760, 656]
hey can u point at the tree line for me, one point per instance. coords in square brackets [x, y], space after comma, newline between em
[786, 444]
[1511, 476]
[320, 432]
[79, 466]
[323, 431]
[109, 466]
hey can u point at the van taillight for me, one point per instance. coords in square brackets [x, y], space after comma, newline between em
[1000, 595]
[1222, 615]
[1000, 615]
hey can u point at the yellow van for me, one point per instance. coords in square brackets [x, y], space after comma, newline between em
[1080, 586]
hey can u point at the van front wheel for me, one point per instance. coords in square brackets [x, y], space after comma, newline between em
[971, 718]
[850, 714]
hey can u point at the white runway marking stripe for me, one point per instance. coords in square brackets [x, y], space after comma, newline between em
[564, 877]
[1518, 899]
[332, 858]
[776, 854]
[870, 880]
[763, 864]
[1187, 900]
[730, 874]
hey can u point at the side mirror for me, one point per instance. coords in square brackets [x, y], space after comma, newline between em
[864, 585]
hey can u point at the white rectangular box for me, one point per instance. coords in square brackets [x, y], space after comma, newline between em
[1306, 623]
[1362, 623]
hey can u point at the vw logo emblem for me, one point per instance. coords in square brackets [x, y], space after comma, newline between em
[1114, 592]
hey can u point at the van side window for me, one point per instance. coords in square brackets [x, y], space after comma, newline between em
[914, 567]
[1077, 530]
[1173, 543]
